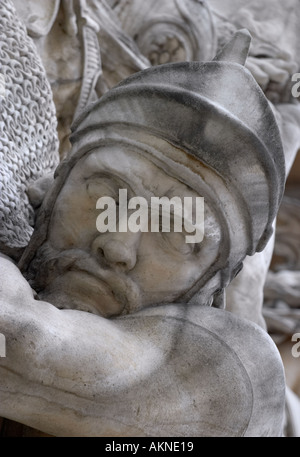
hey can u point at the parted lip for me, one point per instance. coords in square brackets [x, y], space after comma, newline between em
[121, 288]
[95, 295]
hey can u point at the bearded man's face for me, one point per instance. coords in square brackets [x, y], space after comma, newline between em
[117, 272]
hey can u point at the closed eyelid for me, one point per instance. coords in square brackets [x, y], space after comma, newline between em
[182, 247]
[108, 182]
[96, 190]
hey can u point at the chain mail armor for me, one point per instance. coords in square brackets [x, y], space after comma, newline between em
[28, 133]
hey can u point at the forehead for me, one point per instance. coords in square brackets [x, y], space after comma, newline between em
[132, 166]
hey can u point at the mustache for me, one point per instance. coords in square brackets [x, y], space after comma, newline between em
[50, 263]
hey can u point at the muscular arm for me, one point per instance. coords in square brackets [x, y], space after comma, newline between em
[156, 373]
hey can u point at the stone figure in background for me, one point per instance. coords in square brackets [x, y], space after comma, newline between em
[87, 47]
[84, 52]
[169, 31]
[282, 288]
[282, 300]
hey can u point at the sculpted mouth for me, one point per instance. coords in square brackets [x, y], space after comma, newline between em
[77, 289]
[114, 287]
[95, 294]
[78, 281]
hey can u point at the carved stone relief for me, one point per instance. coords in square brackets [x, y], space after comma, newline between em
[163, 100]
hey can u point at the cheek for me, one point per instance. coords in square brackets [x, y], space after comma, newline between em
[159, 271]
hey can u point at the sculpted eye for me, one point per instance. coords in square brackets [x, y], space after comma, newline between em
[97, 188]
[177, 241]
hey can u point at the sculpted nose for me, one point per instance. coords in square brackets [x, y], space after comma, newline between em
[115, 253]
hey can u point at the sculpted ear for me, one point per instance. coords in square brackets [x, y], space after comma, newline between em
[37, 190]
